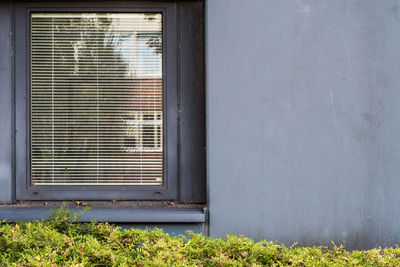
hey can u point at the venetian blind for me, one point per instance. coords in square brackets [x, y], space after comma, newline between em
[96, 99]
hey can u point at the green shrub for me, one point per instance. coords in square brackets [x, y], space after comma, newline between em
[61, 241]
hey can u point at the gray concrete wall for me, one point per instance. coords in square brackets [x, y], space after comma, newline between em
[304, 120]
[6, 98]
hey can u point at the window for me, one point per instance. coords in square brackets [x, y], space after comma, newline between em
[96, 98]
[143, 132]
[100, 117]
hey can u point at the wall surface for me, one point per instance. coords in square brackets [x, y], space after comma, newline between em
[6, 98]
[304, 120]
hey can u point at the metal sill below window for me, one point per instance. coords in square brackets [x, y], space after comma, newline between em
[112, 214]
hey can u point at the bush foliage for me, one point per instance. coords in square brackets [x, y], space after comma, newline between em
[61, 241]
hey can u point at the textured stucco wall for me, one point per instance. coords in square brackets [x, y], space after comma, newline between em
[304, 120]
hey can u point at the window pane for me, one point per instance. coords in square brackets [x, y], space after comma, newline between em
[96, 99]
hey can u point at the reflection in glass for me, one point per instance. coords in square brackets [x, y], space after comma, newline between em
[96, 99]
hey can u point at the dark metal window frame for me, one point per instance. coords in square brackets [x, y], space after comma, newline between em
[183, 90]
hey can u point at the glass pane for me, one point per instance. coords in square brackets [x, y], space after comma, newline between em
[96, 99]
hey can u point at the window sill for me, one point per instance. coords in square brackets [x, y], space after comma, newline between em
[106, 211]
